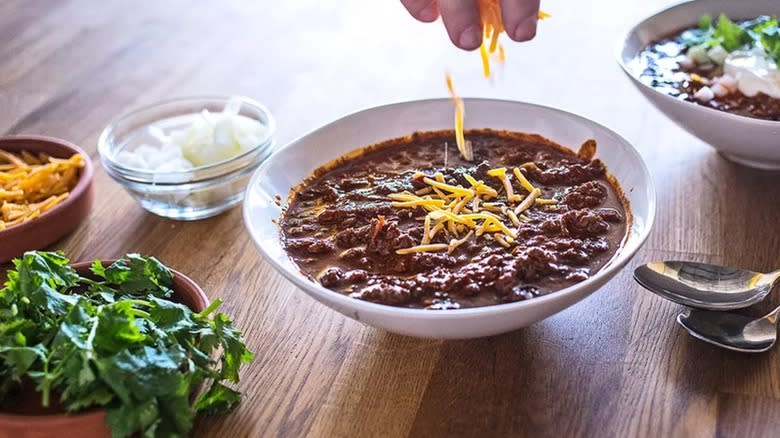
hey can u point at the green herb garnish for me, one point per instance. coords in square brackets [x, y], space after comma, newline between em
[761, 32]
[729, 34]
[705, 22]
[769, 35]
[116, 342]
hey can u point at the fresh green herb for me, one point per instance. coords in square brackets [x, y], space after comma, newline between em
[762, 31]
[116, 341]
[769, 35]
[730, 35]
[705, 22]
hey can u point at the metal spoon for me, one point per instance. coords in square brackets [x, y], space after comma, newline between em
[732, 331]
[704, 286]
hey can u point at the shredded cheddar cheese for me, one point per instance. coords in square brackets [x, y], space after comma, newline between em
[513, 217]
[500, 173]
[454, 209]
[460, 112]
[436, 228]
[492, 28]
[31, 185]
[523, 180]
[529, 201]
[460, 191]
[427, 203]
[423, 248]
[426, 230]
[490, 217]
[455, 243]
[501, 240]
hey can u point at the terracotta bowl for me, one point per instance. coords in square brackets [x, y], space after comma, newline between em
[60, 220]
[27, 419]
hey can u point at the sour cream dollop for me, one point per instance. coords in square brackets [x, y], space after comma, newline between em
[754, 73]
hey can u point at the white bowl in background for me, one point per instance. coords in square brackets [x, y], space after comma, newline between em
[290, 165]
[746, 140]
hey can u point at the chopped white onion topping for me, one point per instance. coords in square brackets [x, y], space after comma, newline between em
[717, 54]
[698, 54]
[729, 82]
[704, 94]
[209, 138]
[719, 90]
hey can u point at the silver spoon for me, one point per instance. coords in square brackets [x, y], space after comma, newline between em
[704, 286]
[732, 331]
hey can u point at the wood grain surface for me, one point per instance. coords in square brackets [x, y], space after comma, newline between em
[615, 364]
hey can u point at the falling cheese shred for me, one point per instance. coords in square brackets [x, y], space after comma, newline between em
[460, 112]
[490, 217]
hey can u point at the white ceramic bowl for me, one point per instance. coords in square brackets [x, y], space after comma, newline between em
[745, 140]
[296, 161]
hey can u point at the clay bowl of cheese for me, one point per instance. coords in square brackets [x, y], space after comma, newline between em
[46, 191]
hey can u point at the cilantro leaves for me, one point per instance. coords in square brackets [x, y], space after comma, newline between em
[729, 34]
[135, 274]
[115, 340]
[769, 35]
[761, 32]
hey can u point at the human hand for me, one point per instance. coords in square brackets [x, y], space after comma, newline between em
[461, 18]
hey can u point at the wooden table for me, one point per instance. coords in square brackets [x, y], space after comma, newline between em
[614, 365]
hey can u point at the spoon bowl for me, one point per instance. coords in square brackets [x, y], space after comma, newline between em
[732, 331]
[705, 286]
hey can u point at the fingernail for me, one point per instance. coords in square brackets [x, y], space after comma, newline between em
[526, 30]
[429, 13]
[471, 38]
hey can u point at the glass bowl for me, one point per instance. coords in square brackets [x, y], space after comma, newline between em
[193, 194]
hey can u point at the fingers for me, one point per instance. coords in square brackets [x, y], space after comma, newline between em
[461, 18]
[423, 10]
[520, 17]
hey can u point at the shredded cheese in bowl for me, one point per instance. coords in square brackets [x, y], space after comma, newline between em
[31, 185]
[455, 210]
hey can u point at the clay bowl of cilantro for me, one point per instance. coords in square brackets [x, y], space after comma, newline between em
[713, 67]
[111, 348]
